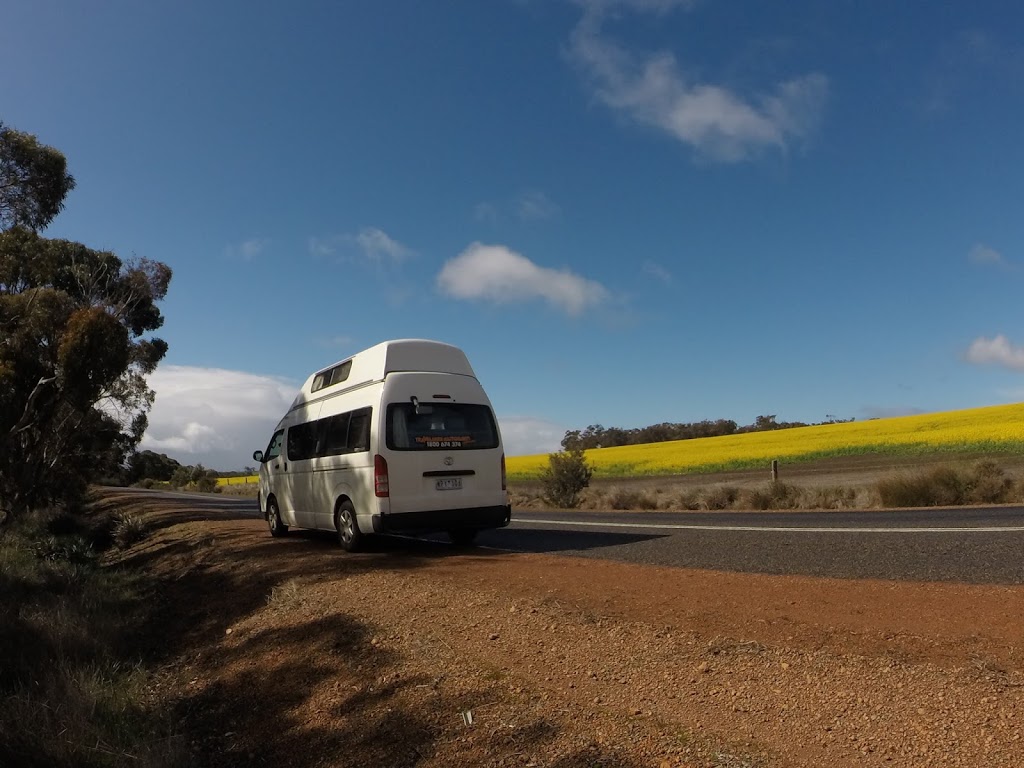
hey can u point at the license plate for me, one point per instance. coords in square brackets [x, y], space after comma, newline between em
[448, 484]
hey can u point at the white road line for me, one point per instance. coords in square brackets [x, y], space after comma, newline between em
[780, 529]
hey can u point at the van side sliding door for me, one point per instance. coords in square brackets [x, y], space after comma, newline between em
[301, 449]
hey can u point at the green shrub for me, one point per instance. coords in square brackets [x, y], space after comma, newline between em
[565, 477]
[197, 478]
[128, 529]
[206, 483]
[73, 549]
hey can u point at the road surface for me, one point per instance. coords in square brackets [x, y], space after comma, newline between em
[975, 545]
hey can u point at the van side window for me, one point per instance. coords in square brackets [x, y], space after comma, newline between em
[302, 440]
[336, 435]
[347, 433]
[359, 431]
[274, 447]
[331, 376]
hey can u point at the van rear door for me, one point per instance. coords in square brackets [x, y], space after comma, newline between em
[441, 455]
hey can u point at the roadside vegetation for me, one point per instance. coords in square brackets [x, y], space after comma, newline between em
[958, 483]
[73, 692]
[75, 350]
[565, 478]
[984, 483]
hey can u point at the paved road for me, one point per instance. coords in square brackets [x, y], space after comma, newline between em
[970, 545]
[979, 545]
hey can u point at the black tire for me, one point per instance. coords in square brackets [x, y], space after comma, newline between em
[277, 527]
[349, 536]
[463, 537]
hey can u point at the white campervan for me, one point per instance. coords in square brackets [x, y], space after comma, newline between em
[399, 438]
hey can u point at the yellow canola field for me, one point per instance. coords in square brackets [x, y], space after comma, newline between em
[238, 480]
[997, 429]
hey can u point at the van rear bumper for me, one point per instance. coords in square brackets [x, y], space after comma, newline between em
[443, 520]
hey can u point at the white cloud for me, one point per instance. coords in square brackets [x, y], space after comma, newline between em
[535, 205]
[371, 244]
[499, 274]
[717, 123]
[527, 436]
[656, 271]
[377, 246]
[996, 351]
[212, 416]
[248, 249]
[192, 438]
[986, 256]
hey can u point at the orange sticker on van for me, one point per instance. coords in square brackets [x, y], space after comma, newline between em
[449, 441]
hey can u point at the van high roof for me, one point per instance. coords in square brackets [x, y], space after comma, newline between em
[375, 363]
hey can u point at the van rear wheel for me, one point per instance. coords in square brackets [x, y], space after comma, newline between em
[462, 537]
[277, 528]
[349, 536]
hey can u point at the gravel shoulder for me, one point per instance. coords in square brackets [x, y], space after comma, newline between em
[289, 652]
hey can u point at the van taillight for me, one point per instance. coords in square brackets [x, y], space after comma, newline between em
[380, 477]
[504, 485]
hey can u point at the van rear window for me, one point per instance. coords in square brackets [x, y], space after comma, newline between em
[440, 426]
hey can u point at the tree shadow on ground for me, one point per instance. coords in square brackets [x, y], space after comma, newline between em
[325, 690]
[262, 678]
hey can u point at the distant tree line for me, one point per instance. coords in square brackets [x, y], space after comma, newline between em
[147, 468]
[597, 436]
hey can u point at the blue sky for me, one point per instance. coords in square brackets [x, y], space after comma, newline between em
[625, 211]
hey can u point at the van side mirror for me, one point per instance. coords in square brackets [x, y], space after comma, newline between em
[257, 456]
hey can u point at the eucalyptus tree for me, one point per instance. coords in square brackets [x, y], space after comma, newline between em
[74, 339]
[34, 181]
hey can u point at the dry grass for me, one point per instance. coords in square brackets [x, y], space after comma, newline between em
[823, 485]
[984, 483]
[71, 693]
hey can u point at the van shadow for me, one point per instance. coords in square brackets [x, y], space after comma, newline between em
[547, 541]
[489, 543]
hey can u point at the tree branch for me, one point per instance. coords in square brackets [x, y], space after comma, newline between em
[26, 417]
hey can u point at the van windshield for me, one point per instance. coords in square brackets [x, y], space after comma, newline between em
[440, 426]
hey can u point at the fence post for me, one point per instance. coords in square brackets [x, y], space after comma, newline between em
[775, 470]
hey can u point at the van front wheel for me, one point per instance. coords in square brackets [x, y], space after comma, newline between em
[277, 528]
[349, 536]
